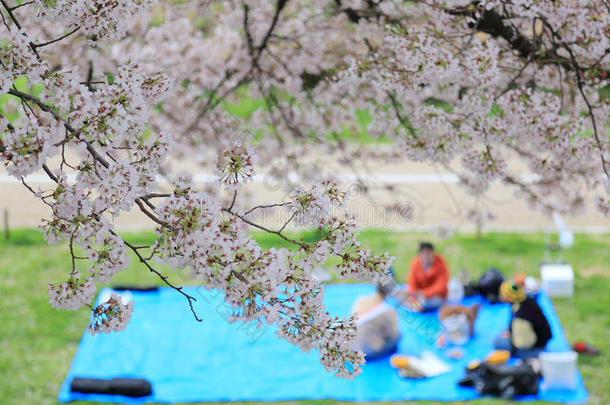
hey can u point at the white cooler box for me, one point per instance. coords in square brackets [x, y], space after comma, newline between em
[557, 280]
[559, 370]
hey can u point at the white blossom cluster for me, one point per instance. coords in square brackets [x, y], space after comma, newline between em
[101, 20]
[17, 59]
[484, 164]
[111, 316]
[235, 165]
[75, 219]
[26, 148]
[72, 294]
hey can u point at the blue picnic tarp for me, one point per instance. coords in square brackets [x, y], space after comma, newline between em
[188, 361]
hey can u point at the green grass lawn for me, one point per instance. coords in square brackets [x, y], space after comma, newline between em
[37, 342]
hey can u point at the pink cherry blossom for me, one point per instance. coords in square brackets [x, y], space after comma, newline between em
[112, 315]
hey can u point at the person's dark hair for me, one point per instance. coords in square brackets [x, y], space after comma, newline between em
[426, 245]
[385, 289]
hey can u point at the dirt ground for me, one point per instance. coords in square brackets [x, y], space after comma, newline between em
[421, 198]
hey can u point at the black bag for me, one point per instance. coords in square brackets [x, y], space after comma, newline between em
[502, 380]
[129, 387]
[489, 285]
[470, 289]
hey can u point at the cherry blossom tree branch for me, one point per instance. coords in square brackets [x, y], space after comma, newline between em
[263, 228]
[579, 78]
[264, 206]
[44, 107]
[9, 11]
[140, 203]
[165, 279]
[279, 6]
[56, 39]
[26, 3]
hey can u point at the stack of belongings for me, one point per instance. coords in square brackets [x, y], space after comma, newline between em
[494, 377]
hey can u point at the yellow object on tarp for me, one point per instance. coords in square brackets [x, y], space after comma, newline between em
[498, 357]
[427, 365]
[399, 361]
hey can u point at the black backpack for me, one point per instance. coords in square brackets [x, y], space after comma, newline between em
[489, 285]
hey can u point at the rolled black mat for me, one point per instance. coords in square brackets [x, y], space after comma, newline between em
[134, 288]
[129, 387]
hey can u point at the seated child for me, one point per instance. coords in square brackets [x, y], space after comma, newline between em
[458, 323]
[528, 331]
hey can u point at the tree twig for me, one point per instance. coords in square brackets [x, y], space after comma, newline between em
[163, 278]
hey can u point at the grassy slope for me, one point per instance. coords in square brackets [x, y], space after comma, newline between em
[37, 342]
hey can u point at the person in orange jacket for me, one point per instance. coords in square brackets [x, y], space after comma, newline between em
[428, 279]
